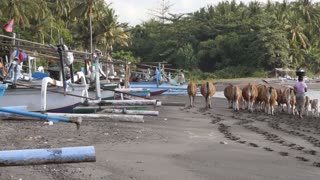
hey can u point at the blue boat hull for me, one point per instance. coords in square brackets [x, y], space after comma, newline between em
[171, 90]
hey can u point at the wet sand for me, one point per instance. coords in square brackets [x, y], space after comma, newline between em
[181, 143]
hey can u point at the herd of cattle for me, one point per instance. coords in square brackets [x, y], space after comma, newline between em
[253, 97]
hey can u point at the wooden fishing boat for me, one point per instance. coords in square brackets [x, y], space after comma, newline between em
[44, 97]
[45, 93]
[157, 93]
[162, 89]
[56, 102]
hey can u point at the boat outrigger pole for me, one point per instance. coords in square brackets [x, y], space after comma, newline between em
[60, 49]
[42, 116]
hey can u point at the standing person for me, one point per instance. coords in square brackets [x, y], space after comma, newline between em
[147, 76]
[300, 88]
[157, 73]
[181, 78]
[1, 68]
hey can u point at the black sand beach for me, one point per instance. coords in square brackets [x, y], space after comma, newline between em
[181, 143]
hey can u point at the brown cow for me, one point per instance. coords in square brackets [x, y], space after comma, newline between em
[207, 90]
[280, 100]
[306, 105]
[250, 93]
[266, 99]
[236, 97]
[261, 98]
[192, 91]
[289, 98]
[314, 107]
[229, 95]
[271, 98]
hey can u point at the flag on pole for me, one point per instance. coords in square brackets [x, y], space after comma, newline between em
[8, 27]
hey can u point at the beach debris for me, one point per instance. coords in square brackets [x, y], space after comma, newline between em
[267, 149]
[253, 145]
[223, 142]
[50, 123]
[241, 142]
[47, 156]
[283, 153]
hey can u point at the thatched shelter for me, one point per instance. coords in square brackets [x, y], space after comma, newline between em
[282, 72]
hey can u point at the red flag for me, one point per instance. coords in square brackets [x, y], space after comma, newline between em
[8, 27]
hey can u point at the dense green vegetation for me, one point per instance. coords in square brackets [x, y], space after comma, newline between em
[45, 21]
[226, 40]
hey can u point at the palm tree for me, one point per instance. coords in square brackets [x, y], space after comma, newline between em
[87, 9]
[255, 8]
[107, 31]
[294, 26]
[61, 8]
[306, 10]
[22, 13]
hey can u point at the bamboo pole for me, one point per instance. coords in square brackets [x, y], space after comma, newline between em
[47, 49]
[22, 40]
[152, 66]
[108, 107]
[39, 44]
[110, 117]
[42, 54]
[123, 102]
[47, 156]
[42, 116]
[133, 112]
[128, 90]
[128, 93]
[50, 53]
[173, 104]
[126, 76]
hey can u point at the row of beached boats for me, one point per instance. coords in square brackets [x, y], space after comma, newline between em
[34, 90]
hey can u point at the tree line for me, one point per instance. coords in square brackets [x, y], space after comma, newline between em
[235, 39]
[225, 40]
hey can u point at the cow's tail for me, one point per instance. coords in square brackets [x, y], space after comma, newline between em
[233, 92]
[208, 90]
[251, 91]
[270, 93]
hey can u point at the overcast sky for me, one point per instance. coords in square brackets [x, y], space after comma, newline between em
[137, 11]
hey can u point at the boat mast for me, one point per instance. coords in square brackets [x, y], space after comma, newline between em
[60, 49]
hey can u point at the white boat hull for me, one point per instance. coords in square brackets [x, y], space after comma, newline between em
[31, 98]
